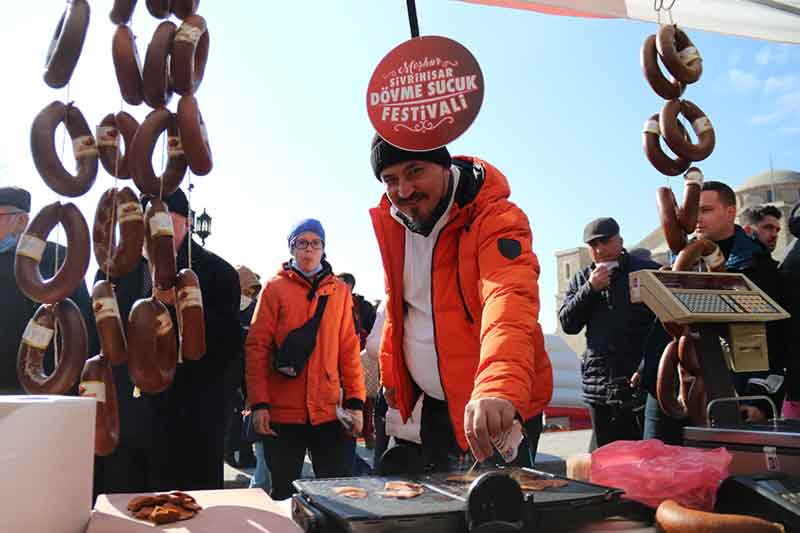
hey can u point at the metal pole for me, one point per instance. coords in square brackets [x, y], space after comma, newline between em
[412, 17]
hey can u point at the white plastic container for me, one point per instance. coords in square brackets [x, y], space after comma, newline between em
[46, 463]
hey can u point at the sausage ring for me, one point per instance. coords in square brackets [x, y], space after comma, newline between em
[194, 136]
[107, 134]
[692, 187]
[666, 89]
[184, 8]
[155, 75]
[152, 346]
[122, 11]
[109, 323]
[668, 213]
[127, 65]
[679, 54]
[123, 208]
[141, 154]
[651, 143]
[31, 247]
[160, 243]
[97, 381]
[159, 8]
[687, 355]
[67, 43]
[675, 137]
[700, 249]
[38, 335]
[189, 55]
[666, 383]
[44, 153]
[191, 324]
[672, 517]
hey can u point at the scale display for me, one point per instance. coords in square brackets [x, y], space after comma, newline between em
[690, 297]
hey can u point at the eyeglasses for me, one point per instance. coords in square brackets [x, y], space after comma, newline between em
[302, 244]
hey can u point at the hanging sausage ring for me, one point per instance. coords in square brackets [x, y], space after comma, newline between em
[673, 134]
[46, 159]
[666, 89]
[194, 136]
[127, 65]
[152, 346]
[38, 335]
[155, 75]
[109, 323]
[651, 143]
[118, 208]
[189, 55]
[31, 247]
[141, 153]
[108, 133]
[67, 43]
[97, 381]
[679, 54]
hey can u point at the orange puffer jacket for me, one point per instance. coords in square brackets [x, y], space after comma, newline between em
[334, 364]
[485, 301]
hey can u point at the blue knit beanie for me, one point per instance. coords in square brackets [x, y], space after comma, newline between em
[310, 224]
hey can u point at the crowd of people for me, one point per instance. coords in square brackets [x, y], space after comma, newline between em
[624, 340]
[298, 364]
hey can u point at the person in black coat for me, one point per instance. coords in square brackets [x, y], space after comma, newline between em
[789, 271]
[598, 298]
[15, 206]
[182, 429]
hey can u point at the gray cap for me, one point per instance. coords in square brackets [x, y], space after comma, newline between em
[600, 228]
[14, 196]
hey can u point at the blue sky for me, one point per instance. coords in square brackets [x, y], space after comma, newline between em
[284, 101]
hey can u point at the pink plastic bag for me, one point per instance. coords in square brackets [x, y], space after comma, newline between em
[650, 472]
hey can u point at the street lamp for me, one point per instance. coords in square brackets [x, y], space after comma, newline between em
[201, 225]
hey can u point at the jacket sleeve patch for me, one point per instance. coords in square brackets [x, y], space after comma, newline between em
[510, 248]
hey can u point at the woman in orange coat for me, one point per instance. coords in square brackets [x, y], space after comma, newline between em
[302, 351]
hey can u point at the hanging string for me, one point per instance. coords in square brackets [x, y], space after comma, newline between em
[56, 350]
[190, 222]
[111, 229]
[659, 6]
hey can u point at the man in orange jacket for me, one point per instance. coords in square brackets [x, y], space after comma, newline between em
[462, 306]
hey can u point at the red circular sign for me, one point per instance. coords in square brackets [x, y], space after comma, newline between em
[425, 93]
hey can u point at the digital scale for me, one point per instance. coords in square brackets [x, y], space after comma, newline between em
[717, 305]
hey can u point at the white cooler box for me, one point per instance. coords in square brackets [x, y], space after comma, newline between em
[46, 463]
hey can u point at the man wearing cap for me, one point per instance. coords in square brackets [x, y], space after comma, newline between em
[176, 439]
[618, 332]
[462, 313]
[15, 206]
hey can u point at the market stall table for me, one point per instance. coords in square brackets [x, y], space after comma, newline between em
[232, 510]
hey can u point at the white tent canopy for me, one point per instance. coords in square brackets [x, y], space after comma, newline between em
[772, 20]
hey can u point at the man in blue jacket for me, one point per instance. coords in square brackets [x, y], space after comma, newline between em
[598, 298]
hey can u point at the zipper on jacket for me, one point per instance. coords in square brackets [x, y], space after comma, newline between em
[460, 294]
[433, 320]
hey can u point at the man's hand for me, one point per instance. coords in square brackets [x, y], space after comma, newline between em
[390, 397]
[485, 418]
[357, 418]
[636, 379]
[752, 414]
[261, 422]
[599, 278]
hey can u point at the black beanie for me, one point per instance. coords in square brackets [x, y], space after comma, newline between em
[176, 203]
[385, 155]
